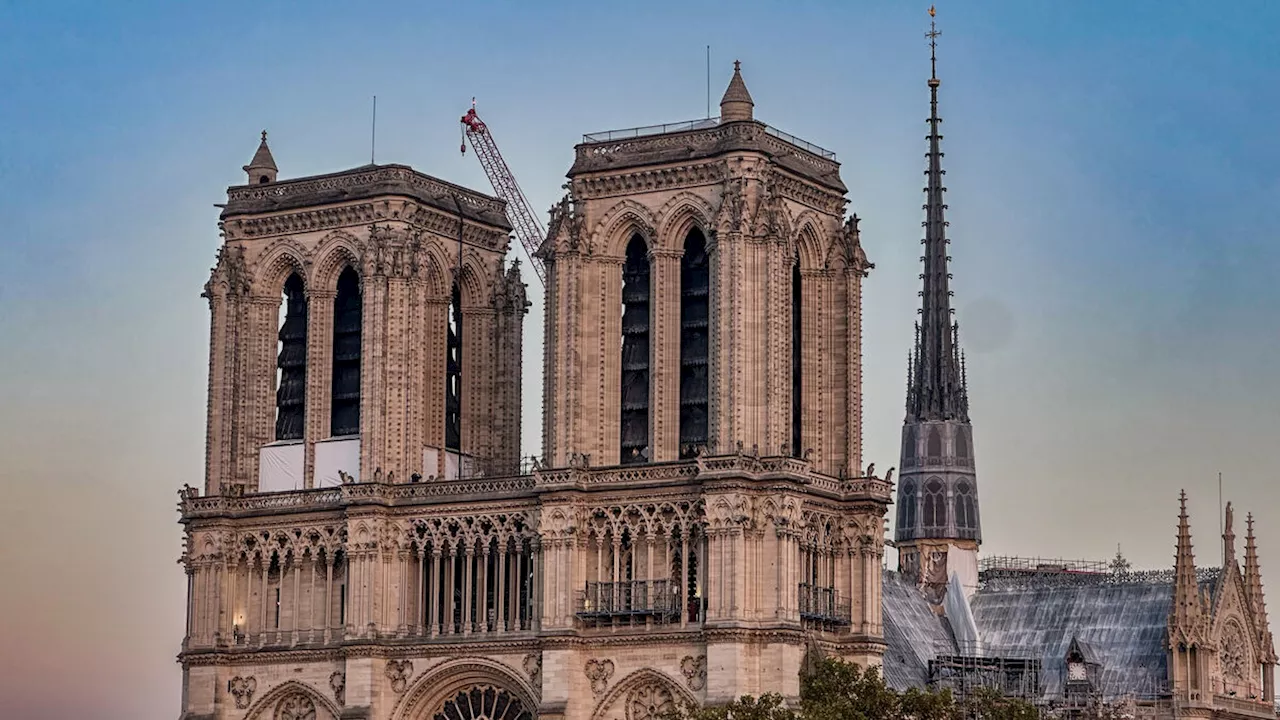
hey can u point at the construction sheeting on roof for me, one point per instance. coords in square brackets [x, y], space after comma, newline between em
[1123, 625]
[914, 634]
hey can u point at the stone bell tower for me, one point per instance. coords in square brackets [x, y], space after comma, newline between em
[363, 326]
[704, 294]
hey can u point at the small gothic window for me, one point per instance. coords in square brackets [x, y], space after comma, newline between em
[962, 443]
[634, 445]
[264, 180]
[695, 283]
[909, 445]
[907, 506]
[934, 449]
[292, 362]
[966, 511]
[453, 374]
[797, 381]
[935, 505]
[344, 417]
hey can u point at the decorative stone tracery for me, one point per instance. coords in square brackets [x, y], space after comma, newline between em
[484, 703]
[242, 689]
[652, 701]
[296, 707]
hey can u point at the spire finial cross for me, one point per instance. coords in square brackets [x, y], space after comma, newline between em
[264, 136]
[737, 65]
[933, 34]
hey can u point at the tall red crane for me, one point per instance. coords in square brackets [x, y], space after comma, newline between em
[519, 214]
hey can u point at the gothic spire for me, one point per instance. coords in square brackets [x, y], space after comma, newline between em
[936, 390]
[1253, 577]
[1186, 596]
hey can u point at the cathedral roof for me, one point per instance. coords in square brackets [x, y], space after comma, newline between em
[1122, 620]
[1122, 623]
[913, 632]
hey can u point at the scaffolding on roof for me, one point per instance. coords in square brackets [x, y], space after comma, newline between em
[1013, 564]
[963, 674]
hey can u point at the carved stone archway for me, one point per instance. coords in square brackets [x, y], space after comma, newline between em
[293, 700]
[645, 694]
[473, 689]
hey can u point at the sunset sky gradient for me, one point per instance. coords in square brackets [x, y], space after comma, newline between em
[1112, 174]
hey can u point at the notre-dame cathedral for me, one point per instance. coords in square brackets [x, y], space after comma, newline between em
[369, 543]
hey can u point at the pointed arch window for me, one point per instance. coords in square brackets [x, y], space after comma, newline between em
[935, 505]
[907, 509]
[797, 336]
[695, 286]
[934, 445]
[291, 363]
[966, 508]
[453, 374]
[962, 443]
[635, 353]
[344, 417]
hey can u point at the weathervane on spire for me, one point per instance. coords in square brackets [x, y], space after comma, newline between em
[933, 34]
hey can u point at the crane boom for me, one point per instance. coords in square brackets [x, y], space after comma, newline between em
[522, 218]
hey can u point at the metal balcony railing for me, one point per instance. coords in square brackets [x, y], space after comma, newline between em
[643, 598]
[822, 604]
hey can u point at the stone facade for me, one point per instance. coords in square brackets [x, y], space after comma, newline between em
[704, 296]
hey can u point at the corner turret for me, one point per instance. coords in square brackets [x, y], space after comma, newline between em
[262, 168]
[736, 104]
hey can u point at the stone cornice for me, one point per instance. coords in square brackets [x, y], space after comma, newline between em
[721, 472]
[391, 212]
[706, 143]
[605, 185]
[364, 182]
[389, 648]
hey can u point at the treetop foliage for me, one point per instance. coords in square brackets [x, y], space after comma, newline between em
[837, 690]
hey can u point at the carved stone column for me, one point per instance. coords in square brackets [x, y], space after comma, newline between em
[319, 375]
[601, 422]
[479, 359]
[664, 363]
[432, 355]
[257, 389]
[373, 367]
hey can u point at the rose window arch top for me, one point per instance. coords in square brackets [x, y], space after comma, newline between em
[296, 707]
[650, 702]
[483, 703]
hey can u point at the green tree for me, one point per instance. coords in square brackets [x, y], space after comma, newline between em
[767, 707]
[929, 705]
[839, 690]
[832, 689]
[991, 704]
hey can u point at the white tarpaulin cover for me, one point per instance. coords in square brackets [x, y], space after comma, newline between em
[334, 455]
[280, 466]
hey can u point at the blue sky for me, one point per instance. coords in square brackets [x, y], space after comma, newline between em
[1112, 176]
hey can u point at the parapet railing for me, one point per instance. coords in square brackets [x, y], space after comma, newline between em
[579, 474]
[658, 598]
[646, 131]
[824, 604]
[635, 132]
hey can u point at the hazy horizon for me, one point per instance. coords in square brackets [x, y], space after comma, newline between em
[1111, 186]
